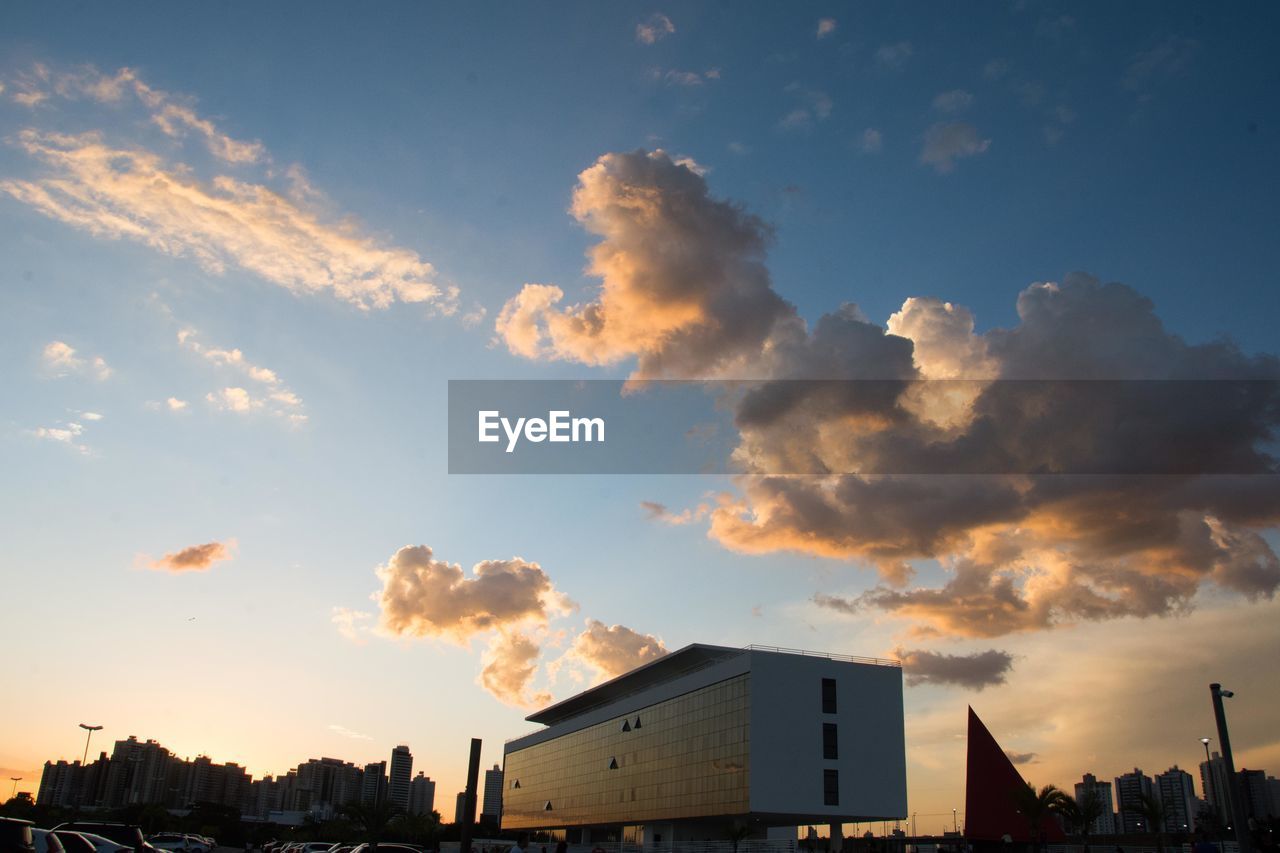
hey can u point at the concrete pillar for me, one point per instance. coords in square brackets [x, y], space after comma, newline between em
[837, 837]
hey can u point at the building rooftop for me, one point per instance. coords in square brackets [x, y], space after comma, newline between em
[680, 662]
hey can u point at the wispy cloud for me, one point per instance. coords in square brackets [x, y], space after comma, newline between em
[271, 395]
[954, 101]
[973, 671]
[654, 28]
[894, 56]
[1169, 57]
[194, 558]
[64, 432]
[872, 141]
[826, 27]
[348, 733]
[127, 191]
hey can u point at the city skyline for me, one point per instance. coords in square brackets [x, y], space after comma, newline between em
[247, 249]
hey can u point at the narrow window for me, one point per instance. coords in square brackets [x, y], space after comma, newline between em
[626, 725]
[613, 764]
[828, 695]
[637, 725]
[831, 787]
[830, 741]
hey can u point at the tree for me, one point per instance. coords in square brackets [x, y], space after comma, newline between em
[372, 819]
[1035, 806]
[737, 832]
[1082, 814]
[1151, 809]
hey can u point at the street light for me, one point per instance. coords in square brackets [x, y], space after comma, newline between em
[90, 729]
[15, 780]
[955, 824]
[1235, 801]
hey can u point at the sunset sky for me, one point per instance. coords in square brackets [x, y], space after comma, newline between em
[246, 246]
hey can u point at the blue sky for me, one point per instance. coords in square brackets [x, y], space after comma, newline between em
[902, 152]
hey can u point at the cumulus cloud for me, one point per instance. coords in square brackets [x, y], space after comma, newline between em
[1022, 550]
[654, 28]
[195, 558]
[425, 597]
[947, 142]
[60, 359]
[611, 650]
[826, 27]
[872, 141]
[814, 106]
[1021, 757]
[127, 191]
[175, 405]
[973, 671]
[697, 307]
[509, 666]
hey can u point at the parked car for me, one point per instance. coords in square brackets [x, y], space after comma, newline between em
[45, 841]
[87, 842]
[170, 841]
[15, 836]
[315, 847]
[124, 834]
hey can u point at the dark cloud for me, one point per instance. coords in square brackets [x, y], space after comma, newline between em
[974, 671]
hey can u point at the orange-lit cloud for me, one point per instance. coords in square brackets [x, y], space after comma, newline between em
[509, 666]
[684, 290]
[685, 293]
[129, 191]
[196, 558]
[611, 650]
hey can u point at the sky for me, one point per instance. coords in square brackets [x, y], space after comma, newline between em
[246, 247]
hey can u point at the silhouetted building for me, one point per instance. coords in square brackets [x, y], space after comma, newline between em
[138, 774]
[1177, 793]
[1104, 824]
[460, 808]
[324, 785]
[1213, 782]
[401, 774]
[492, 808]
[422, 794]
[1130, 789]
[1257, 797]
[374, 787]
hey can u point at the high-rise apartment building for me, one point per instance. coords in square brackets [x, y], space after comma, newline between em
[460, 808]
[373, 787]
[1105, 823]
[401, 774]
[492, 808]
[422, 794]
[1217, 791]
[1130, 789]
[1177, 793]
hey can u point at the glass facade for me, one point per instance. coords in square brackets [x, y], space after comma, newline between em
[682, 758]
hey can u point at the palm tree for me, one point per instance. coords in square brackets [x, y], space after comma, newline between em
[1036, 806]
[1151, 809]
[373, 818]
[1081, 814]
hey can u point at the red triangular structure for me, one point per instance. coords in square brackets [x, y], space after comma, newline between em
[990, 780]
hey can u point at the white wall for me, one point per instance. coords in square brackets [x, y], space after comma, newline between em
[786, 737]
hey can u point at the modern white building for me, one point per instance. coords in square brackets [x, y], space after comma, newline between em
[710, 740]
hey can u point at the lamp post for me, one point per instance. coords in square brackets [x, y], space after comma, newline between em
[1235, 801]
[90, 729]
[955, 823]
[15, 780]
